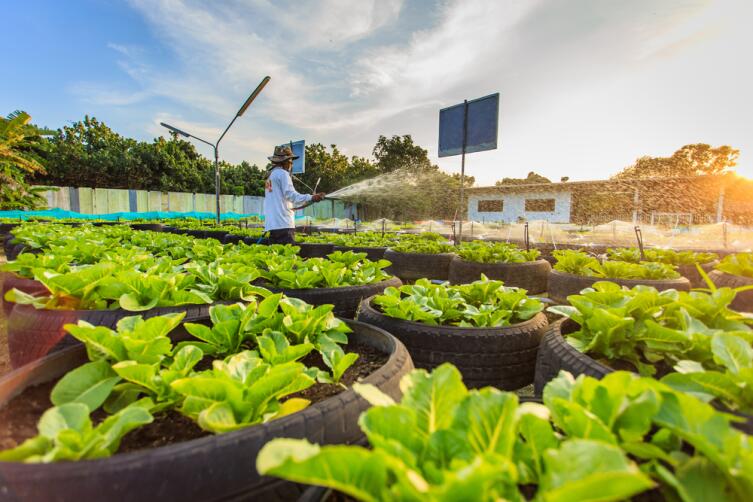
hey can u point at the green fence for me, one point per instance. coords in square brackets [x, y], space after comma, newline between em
[112, 200]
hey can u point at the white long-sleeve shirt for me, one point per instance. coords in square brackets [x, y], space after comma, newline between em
[280, 197]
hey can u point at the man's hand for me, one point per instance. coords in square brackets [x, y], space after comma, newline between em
[317, 197]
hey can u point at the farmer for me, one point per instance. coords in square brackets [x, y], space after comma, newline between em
[280, 198]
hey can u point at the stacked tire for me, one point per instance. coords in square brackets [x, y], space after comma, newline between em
[503, 357]
[743, 301]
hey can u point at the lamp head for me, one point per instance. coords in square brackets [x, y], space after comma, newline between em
[174, 129]
[253, 95]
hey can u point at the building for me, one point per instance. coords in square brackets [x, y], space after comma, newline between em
[685, 200]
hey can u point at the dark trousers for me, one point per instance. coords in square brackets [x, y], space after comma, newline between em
[282, 236]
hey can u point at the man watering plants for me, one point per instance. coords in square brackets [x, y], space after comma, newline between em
[280, 198]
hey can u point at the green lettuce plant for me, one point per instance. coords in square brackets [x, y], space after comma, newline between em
[581, 263]
[668, 256]
[483, 303]
[591, 440]
[495, 252]
[66, 433]
[737, 264]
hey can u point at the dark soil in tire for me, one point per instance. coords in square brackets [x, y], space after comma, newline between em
[346, 299]
[212, 468]
[556, 354]
[373, 254]
[531, 276]
[503, 357]
[314, 249]
[32, 333]
[562, 285]
[414, 266]
[743, 301]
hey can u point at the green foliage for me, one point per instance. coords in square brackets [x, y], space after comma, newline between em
[580, 263]
[690, 160]
[532, 178]
[88, 153]
[483, 303]
[21, 145]
[668, 256]
[495, 252]
[241, 391]
[66, 433]
[339, 270]
[737, 264]
[608, 439]
[696, 334]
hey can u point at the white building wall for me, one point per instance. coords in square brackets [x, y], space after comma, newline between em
[514, 206]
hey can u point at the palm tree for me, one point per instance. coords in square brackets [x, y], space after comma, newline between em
[19, 140]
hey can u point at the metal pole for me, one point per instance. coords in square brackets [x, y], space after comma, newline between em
[462, 172]
[720, 206]
[217, 181]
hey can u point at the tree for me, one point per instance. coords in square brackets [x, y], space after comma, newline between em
[21, 145]
[399, 152]
[690, 160]
[532, 178]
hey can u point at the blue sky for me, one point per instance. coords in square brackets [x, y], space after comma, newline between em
[586, 86]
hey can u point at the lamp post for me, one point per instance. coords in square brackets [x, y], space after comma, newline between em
[215, 146]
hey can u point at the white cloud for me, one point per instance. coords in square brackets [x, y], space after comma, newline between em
[585, 84]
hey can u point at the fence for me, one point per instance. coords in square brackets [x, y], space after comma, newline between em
[112, 200]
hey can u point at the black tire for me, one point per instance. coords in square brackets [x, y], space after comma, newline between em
[690, 272]
[314, 249]
[346, 299]
[373, 254]
[531, 276]
[10, 281]
[232, 239]
[414, 266]
[220, 467]
[8, 244]
[18, 249]
[503, 357]
[562, 285]
[215, 234]
[32, 333]
[154, 227]
[743, 301]
[556, 354]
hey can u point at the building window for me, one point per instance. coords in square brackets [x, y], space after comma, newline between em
[490, 206]
[540, 205]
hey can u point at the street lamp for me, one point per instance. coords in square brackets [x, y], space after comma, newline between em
[216, 145]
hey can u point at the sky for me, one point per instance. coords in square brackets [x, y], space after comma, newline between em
[586, 86]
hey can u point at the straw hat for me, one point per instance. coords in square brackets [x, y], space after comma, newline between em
[282, 153]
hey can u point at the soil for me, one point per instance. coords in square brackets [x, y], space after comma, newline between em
[18, 419]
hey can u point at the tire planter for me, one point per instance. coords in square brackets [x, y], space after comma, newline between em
[215, 234]
[691, 273]
[345, 299]
[531, 276]
[413, 266]
[504, 357]
[10, 280]
[556, 354]
[154, 227]
[743, 301]
[372, 253]
[212, 468]
[562, 285]
[314, 249]
[232, 239]
[33, 333]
